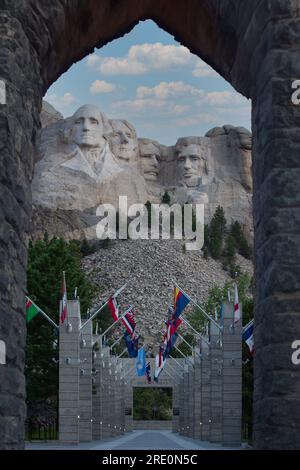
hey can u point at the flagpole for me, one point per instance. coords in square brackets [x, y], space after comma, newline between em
[178, 363]
[128, 371]
[43, 313]
[120, 355]
[116, 342]
[166, 373]
[195, 331]
[189, 345]
[104, 305]
[198, 306]
[248, 325]
[174, 370]
[116, 322]
[185, 357]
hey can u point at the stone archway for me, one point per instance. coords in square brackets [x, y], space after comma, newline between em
[252, 44]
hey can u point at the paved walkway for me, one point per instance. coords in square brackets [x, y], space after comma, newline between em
[137, 440]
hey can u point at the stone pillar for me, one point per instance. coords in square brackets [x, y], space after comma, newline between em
[21, 96]
[205, 391]
[191, 401]
[197, 398]
[96, 397]
[232, 377]
[175, 406]
[122, 403]
[69, 375]
[186, 398]
[85, 384]
[128, 398]
[216, 383]
[113, 398]
[105, 398]
[181, 404]
[276, 199]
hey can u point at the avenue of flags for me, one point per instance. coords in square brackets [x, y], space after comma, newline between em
[130, 335]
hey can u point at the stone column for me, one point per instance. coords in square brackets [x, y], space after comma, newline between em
[205, 392]
[216, 383]
[85, 384]
[181, 404]
[191, 401]
[232, 377]
[276, 202]
[197, 398]
[175, 406]
[96, 397]
[105, 398]
[69, 375]
[186, 398]
[128, 398]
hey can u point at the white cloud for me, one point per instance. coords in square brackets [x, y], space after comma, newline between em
[138, 105]
[203, 70]
[101, 86]
[204, 118]
[143, 58]
[165, 90]
[221, 98]
[61, 102]
[180, 109]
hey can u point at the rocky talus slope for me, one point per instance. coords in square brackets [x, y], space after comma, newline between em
[150, 266]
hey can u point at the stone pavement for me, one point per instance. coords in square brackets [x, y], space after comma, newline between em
[137, 440]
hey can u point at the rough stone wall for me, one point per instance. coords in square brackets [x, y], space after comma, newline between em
[254, 45]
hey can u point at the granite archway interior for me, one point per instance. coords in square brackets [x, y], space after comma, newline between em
[252, 44]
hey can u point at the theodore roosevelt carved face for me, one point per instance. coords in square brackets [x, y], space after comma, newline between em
[149, 159]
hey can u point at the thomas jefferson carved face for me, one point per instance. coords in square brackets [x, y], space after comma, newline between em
[87, 127]
[123, 141]
[191, 164]
[149, 160]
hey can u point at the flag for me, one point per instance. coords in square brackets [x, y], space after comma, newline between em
[248, 337]
[237, 313]
[31, 310]
[64, 308]
[129, 322]
[170, 344]
[131, 344]
[180, 302]
[141, 362]
[160, 361]
[148, 372]
[113, 307]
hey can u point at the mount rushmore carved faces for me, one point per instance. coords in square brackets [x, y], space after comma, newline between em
[191, 162]
[149, 159]
[123, 141]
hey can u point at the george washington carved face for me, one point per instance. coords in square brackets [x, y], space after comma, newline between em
[87, 127]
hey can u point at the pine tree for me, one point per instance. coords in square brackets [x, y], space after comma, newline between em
[217, 229]
[46, 261]
[166, 199]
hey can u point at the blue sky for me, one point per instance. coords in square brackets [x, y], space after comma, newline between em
[155, 83]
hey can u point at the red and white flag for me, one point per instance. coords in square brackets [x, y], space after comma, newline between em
[113, 307]
[237, 313]
[129, 322]
[64, 308]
